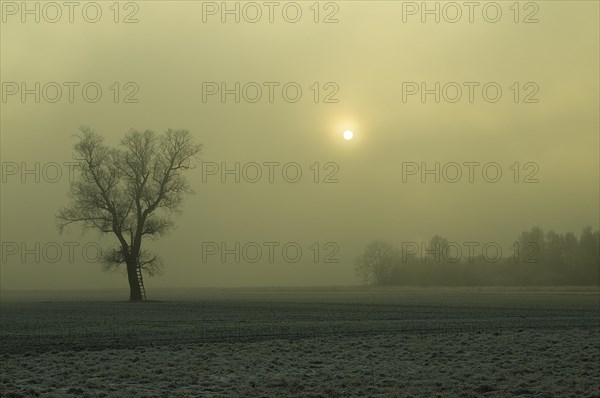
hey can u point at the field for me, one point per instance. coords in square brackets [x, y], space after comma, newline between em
[318, 342]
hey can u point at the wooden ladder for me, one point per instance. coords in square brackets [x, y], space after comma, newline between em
[141, 281]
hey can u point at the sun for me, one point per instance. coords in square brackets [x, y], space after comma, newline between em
[348, 135]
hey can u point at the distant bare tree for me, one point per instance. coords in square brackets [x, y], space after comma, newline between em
[376, 262]
[130, 191]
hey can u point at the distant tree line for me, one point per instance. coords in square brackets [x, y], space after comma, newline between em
[535, 258]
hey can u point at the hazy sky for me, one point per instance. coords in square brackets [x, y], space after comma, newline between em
[369, 55]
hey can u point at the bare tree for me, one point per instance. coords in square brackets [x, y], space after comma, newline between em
[376, 262]
[130, 191]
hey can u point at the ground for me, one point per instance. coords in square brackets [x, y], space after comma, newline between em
[306, 343]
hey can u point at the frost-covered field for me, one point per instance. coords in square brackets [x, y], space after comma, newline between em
[305, 343]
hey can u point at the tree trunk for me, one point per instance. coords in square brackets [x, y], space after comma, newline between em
[135, 294]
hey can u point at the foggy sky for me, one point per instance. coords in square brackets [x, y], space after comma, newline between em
[368, 54]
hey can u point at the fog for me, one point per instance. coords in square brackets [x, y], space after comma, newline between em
[350, 192]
